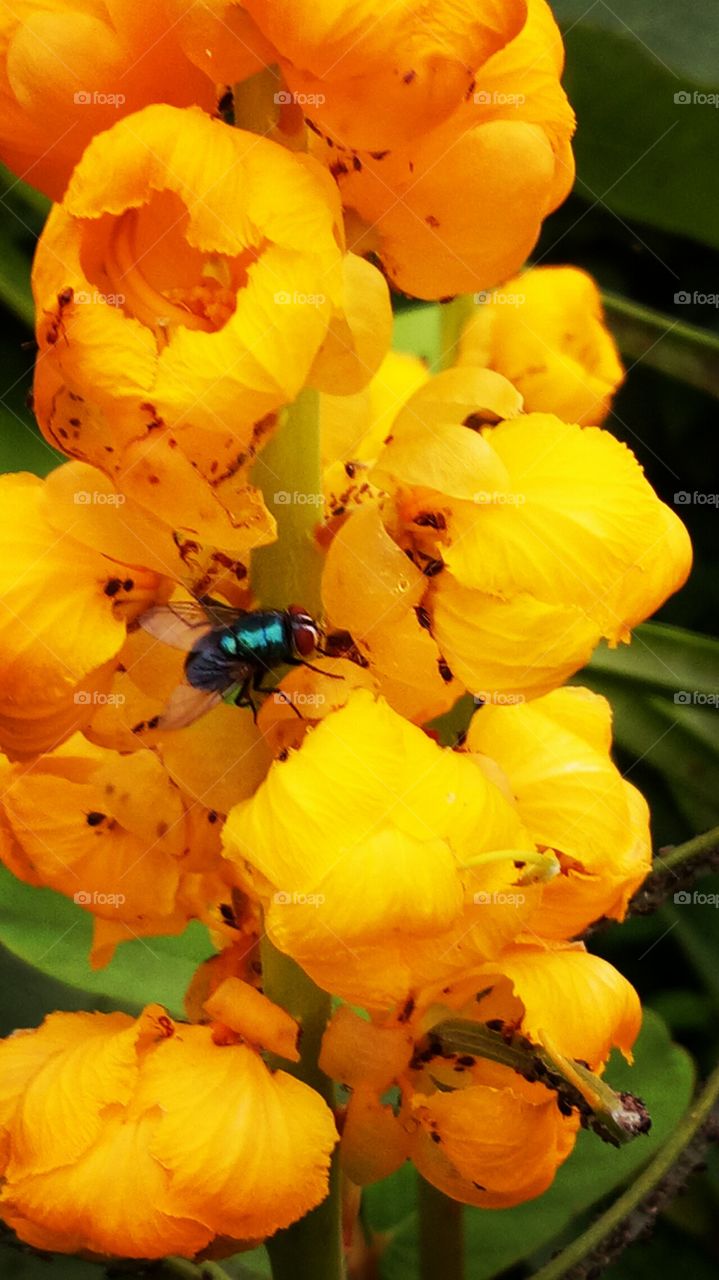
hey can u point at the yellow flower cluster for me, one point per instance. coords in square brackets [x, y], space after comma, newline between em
[475, 531]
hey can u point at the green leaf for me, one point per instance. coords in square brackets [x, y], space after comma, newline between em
[24, 213]
[662, 1074]
[54, 935]
[417, 331]
[668, 660]
[27, 995]
[664, 691]
[640, 152]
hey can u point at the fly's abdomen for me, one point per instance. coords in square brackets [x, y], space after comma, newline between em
[208, 666]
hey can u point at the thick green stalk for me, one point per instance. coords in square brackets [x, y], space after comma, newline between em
[313, 1246]
[441, 1235]
[452, 317]
[288, 472]
[287, 572]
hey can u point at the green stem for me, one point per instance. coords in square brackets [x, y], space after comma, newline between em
[313, 1246]
[615, 1118]
[452, 318]
[289, 572]
[441, 1235]
[288, 472]
[682, 350]
[638, 1206]
[254, 105]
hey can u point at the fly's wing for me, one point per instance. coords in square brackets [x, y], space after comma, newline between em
[185, 705]
[180, 628]
[181, 624]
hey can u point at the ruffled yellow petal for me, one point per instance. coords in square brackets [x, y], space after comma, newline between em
[374, 1141]
[69, 70]
[220, 37]
[508, 649]
[371, 800]
[112, 832]
[488, 1146]
[359, 333]
[112, 1149]
[545, 331]
[576, 1000]
[62, 619]
[248, 1154]
[356, 1052]
[109, 1202]
[260, 1022]
[180, 247]
[376, 84]
[580, 525]
[383, 617]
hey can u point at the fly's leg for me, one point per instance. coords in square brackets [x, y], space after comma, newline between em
[279, 693]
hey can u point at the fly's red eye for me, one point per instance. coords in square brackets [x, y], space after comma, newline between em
[304, 631]
[305, 637]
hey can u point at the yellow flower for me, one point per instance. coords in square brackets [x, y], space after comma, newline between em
[185, 288]
[116, 835]
[353, 428]
[69, 69]
[110, 1147]
[374, 852]
[545, 331]
[474, 1128]
[62, 618]
[372, 83]
[459, 207]
[554, 752]
[494, 1143]
[536, 537]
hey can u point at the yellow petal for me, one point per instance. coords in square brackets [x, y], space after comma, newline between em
[359, 334]
[580, 525]
[551, 341]
[582, 1004]
[250, 1152]
[262, 1023]
[508, 649]
[384, 82]
[489, 1147]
